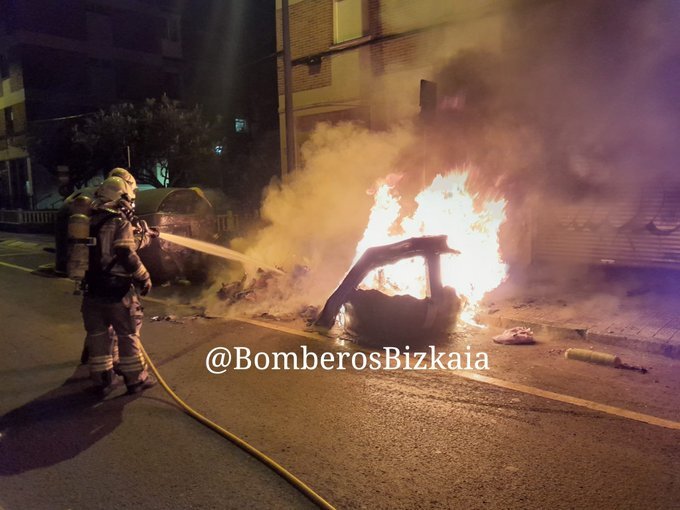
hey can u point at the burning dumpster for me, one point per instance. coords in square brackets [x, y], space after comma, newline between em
[180, 211]
[377, 317]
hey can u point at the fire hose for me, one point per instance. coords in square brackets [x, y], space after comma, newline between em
[305, 489]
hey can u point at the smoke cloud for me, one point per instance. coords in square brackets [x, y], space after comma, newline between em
[578, 101]
[581, 94]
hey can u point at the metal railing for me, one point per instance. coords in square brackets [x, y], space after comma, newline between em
[21, 217]
[230, 222]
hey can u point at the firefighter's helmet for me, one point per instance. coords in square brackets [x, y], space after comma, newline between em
[111, 190]
[130, 181]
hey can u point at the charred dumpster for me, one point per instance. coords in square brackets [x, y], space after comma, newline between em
[181, 211]
[379, 319]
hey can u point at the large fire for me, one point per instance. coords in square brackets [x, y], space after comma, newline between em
[445, 207]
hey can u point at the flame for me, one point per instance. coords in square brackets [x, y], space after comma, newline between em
[445, 207]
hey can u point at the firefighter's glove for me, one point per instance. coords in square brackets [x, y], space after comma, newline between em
[127, 209]
[145, 287]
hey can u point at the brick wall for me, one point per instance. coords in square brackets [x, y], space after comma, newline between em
[393, 54]
[307, 77]
[311, 33]
[400, 29]
[311, 27]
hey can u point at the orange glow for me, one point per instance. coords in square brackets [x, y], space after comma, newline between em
[445, 207]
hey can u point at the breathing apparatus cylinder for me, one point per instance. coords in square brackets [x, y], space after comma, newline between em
[79, 238]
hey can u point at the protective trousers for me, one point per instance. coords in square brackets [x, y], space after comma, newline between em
[125, 317]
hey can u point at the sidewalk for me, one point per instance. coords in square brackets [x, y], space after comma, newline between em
[632, 308]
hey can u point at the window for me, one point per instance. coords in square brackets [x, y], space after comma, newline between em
[9, 121]
[350, 20]
[173, 30]
[169, 29]
[54, 69]
[135, 31]
[240, 125]
[4, 67]
[99, 62]
[171, 85]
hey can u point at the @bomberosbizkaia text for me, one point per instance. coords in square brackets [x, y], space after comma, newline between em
[220, 359]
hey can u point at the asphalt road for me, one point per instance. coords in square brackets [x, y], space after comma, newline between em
[362, 439]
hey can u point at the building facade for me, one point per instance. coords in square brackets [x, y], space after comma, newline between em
[362, 60]
[64, 58]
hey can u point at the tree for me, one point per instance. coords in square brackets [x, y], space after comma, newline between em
[168, 145]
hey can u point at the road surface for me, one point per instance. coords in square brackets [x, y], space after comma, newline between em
[360, 438]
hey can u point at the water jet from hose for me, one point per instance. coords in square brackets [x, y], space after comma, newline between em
[216, 250]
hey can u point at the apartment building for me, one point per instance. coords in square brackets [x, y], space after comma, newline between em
[62, 58]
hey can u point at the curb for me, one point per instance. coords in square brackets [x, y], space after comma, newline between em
[566, 331]
[583, 332]
[642, 344]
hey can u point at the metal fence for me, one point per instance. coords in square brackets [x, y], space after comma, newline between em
[21, 217]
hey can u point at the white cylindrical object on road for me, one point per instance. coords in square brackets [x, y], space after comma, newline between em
[600, 358]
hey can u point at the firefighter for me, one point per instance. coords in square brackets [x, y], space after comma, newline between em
[143, 235]
[113, 275]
